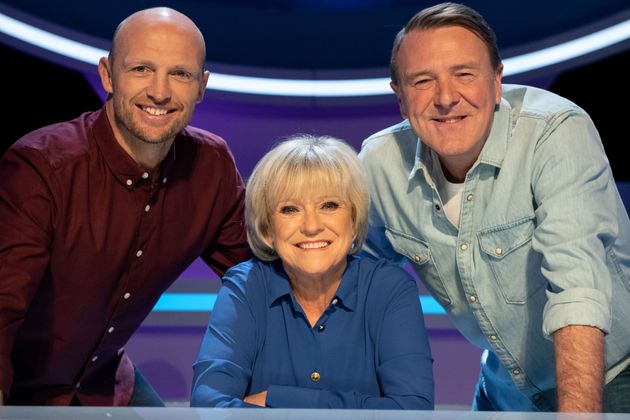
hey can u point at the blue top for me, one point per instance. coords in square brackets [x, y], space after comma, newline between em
[369, 349]
[543, 239]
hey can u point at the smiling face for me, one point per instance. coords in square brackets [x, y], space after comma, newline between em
[154, 78]
[312, 236]
[448, 89]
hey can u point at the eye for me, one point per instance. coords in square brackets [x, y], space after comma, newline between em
[424, 83]
[182, 75]
[330, 205]
[288, 209]
[465, 76]
[139, 69]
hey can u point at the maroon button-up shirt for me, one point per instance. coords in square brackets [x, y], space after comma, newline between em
[88, 242]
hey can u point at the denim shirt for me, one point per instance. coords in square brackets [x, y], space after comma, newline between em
[542, 241]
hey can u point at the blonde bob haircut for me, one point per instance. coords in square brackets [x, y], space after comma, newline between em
[300, 167]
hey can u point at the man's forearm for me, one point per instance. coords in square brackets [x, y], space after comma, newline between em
[579, 353]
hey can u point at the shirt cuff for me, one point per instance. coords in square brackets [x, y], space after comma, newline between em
[280, 396]
[576, 306]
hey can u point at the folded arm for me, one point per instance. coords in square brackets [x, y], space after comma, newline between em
[404, 368]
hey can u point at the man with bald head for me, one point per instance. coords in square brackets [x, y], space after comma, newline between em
[99, 215]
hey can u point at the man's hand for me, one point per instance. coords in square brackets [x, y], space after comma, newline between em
[257, 399]
[579, 353]
[124, 381]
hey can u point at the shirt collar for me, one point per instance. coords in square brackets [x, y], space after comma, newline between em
[348, 288]
[346, 292]
[124, 168]
[278, 286]
[493, 151]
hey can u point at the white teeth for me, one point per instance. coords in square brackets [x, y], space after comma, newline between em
[313, 245]
[154, 111]
[450, 120]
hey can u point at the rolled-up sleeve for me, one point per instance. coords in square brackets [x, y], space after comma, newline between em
[577, 218]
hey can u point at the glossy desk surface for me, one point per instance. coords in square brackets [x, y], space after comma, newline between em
[186, 413]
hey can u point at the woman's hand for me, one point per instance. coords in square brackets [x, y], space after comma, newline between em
[257, 399]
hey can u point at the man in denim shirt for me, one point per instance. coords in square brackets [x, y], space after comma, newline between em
[503, 200]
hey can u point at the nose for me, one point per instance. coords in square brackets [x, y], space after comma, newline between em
[311, 223]
[446, 95]
[159, 90]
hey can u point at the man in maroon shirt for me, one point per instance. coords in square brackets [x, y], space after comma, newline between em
[99, 215]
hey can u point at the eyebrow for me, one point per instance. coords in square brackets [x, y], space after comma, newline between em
[127, 62]
[454, 68]
[133, 62]
[465, 66]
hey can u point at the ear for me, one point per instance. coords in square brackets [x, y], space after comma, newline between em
[202, 86]
[268, 240]
[497, 84]
[105, 71]
[266, 233]
[401, 101]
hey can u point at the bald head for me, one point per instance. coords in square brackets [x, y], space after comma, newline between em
[154, 77]
[145, 20]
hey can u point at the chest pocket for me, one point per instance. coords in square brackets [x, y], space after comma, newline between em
[515, 266]
[419, 255]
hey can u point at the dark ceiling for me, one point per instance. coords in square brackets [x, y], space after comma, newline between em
[320, 34]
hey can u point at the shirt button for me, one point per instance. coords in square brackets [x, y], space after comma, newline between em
[78, 385]
[129, 182]
[139, 253]
[417, 258]
[334, 301]
[315, 376]
[145, 175]
[493, 337]
[321, 328]
[516, 371]
[463, 247]
[469, 197]
[472, 298]
[164, 180]
[126, 295]
[499, 251]
[437, 207]
[110, 330]
[94, 359]
[536, 397]
[147, 208]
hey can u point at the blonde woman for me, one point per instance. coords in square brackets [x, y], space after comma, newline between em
[309, 324]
